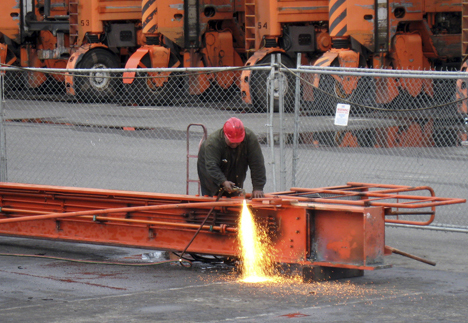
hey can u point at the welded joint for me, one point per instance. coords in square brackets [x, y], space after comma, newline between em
[222, 228]
[96, 219]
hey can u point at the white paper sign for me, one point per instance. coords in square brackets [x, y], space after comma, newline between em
[342, 114]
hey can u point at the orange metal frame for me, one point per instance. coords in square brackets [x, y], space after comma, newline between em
[194, 156]
[342, 226]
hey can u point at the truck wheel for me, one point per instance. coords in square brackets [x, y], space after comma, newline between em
[330, 93]
[325, 99]
[260, 92]
[366, 137]
[144, 91]
[445, 138]
[14, 84]
[97, 85]
[215, 93]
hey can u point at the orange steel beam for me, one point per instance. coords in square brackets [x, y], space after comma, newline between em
[307, 227]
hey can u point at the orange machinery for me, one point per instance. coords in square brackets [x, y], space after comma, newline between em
[339, 228]
[216, 33]
[192, 33]
[70, 34]
[416, 35]
[387, 34]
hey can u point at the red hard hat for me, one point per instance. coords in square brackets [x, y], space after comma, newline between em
[234, 130]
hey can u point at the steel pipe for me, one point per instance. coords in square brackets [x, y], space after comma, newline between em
[122, 209]
[220, 228]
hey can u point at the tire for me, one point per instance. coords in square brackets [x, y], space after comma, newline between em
[402, 101]
[366, 137]
[364, 98]
[14, 83]
[144, 92]
[445, 138]
[325, 99]
[261, 94]
[97, 85]
[215, 93]
[330, 93]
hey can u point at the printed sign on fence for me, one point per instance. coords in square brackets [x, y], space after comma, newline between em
[342, 114]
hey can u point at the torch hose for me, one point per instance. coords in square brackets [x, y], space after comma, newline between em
[221, 191]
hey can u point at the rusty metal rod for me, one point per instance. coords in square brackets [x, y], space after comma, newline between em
[420, 223]
[121, 209]
[395, 213]
[371, 202]
[105, 218]
[402, 253]
[11, 210]
[172, 224]
[383, 193]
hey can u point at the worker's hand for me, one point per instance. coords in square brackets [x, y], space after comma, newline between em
[257, 194]
[228, 186]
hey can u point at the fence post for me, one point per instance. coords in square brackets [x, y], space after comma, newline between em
[279, 79]
[271, 111]
[297, 102]
[3, 157]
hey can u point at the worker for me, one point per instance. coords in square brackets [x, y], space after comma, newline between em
[224, 157]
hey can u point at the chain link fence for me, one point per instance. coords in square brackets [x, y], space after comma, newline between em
[406, 128]
[140, 129]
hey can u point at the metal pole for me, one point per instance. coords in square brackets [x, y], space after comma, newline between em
[271, 108]
[296, 121]
[3, 157]
[60, 215]
[279, 79]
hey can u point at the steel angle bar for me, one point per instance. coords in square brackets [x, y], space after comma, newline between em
[58, 215]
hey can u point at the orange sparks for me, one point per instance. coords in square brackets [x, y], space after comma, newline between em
[257, 266]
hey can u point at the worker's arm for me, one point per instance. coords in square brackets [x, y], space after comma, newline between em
[213, 157]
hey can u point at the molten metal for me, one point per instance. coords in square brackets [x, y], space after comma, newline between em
[254, 250]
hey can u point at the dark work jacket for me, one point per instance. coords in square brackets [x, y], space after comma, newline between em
[217, 162]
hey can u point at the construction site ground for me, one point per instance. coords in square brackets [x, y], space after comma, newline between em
[51, 290]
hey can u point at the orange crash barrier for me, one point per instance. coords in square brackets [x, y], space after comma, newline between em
[332, 227]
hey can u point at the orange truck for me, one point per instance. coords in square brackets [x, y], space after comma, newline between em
[92, 34]
[216, 33]
[191, 33]
[95, 34]
[408, 35]
[402, 35]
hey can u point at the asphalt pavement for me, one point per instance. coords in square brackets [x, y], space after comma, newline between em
[45, 288]
[53, 290]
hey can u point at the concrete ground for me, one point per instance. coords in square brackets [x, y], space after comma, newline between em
[52, 290]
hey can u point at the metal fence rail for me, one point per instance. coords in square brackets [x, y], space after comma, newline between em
[117, 130]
